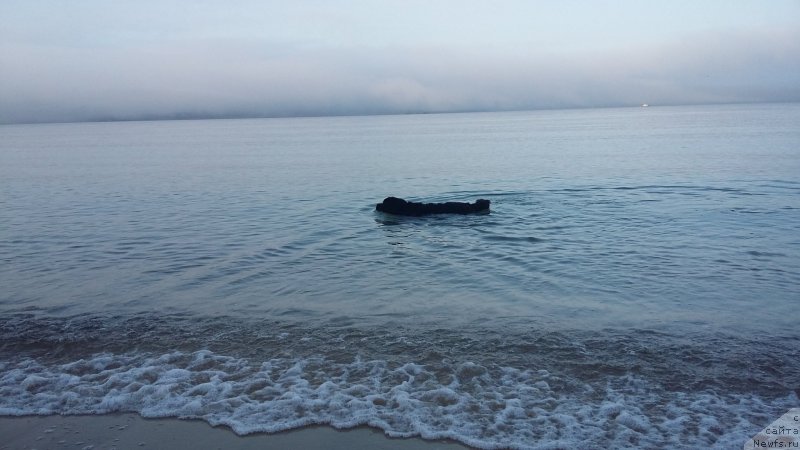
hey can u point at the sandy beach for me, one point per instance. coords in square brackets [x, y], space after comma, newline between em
[130, 431]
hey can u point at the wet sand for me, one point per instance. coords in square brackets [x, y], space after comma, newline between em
[130, 431]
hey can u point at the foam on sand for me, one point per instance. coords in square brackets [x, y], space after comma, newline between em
[132, 431]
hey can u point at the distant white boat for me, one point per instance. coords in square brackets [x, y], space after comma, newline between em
[645, 105]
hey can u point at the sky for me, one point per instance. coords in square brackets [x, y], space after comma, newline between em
[84, 60]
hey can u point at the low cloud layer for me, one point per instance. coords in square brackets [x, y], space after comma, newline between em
[236, 78]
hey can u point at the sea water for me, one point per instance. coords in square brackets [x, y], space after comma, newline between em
[636, 284]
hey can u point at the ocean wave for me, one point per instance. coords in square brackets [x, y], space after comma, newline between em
[482, 406]
[487, 389]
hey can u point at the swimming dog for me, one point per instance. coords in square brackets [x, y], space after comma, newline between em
[398, 206]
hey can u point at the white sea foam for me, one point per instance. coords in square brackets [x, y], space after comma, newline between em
[485, 407]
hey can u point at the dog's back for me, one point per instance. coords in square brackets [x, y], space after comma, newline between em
[394, 205]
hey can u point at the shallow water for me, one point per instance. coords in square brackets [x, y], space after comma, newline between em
[634, 285]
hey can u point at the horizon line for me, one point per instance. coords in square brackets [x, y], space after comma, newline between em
[235, 116]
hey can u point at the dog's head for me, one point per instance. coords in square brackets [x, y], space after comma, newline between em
[391, 205]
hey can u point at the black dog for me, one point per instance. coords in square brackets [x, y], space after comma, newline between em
[394, 205]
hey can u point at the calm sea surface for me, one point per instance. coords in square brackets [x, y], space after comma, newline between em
[636, 284]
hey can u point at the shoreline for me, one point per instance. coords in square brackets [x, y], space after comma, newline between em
[131, 431]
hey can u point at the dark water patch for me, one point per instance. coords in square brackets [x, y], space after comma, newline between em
[650, 188]
[753, 211]
[762, 254]
[512, 239]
